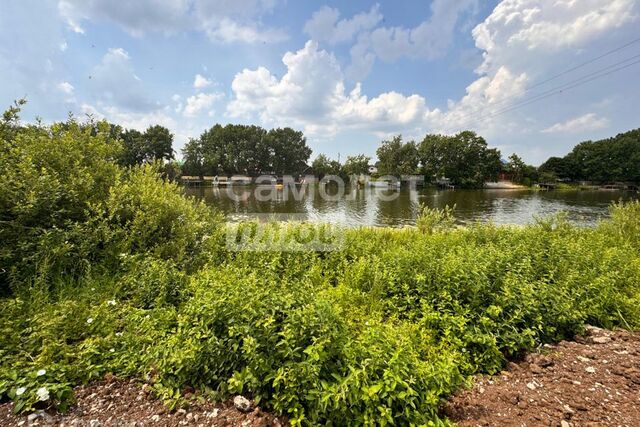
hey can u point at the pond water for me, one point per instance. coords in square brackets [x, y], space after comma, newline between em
[397, 208]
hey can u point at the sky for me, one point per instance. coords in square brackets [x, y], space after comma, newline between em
[533, 77]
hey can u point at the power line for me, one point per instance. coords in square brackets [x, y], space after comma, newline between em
[559, 90]
[618, 49]
[567, 71]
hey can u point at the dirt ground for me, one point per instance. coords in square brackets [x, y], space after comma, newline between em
[593, 381]
[128, 404]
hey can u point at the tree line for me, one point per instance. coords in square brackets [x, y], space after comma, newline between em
[615, 159]
[464, 159]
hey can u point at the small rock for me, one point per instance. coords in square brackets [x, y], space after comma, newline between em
[155, 418]
[564, 423]
[593, 330]
[583, 359]
[531, 386]
[242, 404]
[601, 340]
[590, 369]
[189, 416]
[213, 413]
[181, 411]
[38, 416]
[568, 412]
[535, 369]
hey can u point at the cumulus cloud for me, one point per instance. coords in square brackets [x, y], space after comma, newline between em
[222, 20]
[201, 81]
[585, 123]
[324, 25]
[200, 102]
[516, 26]
[312, 94]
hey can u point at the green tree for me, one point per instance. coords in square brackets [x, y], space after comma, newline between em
[608, 160]
[243, 149]
[397, 158]
[288, 151]
[133, 152]
[357, 165]
[463, 158]
[516, 168]
[155, 144]
[158, 142]
[323, 165]
[193, 158]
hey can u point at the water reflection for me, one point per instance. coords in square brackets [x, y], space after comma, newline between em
[379, 207]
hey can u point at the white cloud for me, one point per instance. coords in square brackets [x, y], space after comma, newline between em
[201, 81]
[229, 31]
[222, 20]
[136, 17]
[312, 94]
[65, 87]
[428, 40]
[585, 123]
[517, 26]
[202, 101]
[115, 82]
[325, 27]
[128, 119]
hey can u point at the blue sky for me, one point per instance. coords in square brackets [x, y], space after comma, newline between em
[348, 74]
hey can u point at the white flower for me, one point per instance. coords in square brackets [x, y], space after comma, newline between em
[90, 320]
[111, 302]
[41, 372]
[43, 394]
[20, 391]
[118, 334]
[112, 350]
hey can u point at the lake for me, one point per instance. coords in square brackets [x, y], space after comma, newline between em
[397, 208]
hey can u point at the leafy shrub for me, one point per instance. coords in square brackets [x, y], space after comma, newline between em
[433, 219]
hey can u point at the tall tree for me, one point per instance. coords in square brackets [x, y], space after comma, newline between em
[158, 142]
[290, 151]
[155, 144]
[463, 158]
[357, 165]
[323, 165]
[242, 149]
[397, 158]
[608, 160]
